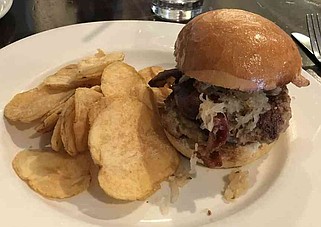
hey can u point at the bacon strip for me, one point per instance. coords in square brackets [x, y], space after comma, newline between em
[217, 138]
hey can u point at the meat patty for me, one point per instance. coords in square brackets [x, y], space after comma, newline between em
[269, 126]
[274, 121]
[180, 126]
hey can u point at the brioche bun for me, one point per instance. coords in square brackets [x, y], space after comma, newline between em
[231, 156]
[237, 49]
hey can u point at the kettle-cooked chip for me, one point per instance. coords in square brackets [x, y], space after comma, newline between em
[66, 130]
[68, 77]
[86, 73]
[149, 73]
[96, 88]
[119, 79]
[57, 109]
[56, 142]
[84, 98]
[156, 69]
[35, 103]
[51, 174]
[128, 143]
[48, 123]
[160, 94]
[49, 120]
[96, 64]
[96, 108]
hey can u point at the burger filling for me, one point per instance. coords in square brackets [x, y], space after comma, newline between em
[214, 117]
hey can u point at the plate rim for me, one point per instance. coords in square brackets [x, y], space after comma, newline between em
[42, 33]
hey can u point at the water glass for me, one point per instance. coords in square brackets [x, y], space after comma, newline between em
[177, 10]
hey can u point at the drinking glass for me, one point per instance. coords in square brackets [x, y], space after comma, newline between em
[177, 10]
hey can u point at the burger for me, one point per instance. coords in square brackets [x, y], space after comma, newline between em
[229, 101]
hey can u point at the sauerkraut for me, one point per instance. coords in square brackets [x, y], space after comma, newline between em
[242, 109]
[207, 111]
[237, 186]
[193, 160]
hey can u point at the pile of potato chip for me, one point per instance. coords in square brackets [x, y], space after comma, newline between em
[99, 110]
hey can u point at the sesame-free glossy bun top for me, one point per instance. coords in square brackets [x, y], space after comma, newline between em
[237, 49]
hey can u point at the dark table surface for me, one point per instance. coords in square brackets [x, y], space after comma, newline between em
[28, 17]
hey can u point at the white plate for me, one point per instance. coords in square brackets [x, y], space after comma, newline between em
[286, 184]
[5, 5]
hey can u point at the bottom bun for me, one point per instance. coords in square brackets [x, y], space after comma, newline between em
[231, 156]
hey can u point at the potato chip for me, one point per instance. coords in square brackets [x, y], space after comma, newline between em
[160, 94]
[48, 123]
[156, 69]
[96, 88]
[66, 130]
[57, 109]
[149, 73]
[53, 175]
[84, 98]
[35, 103]
[128, 143]
[49, 120]
[56, 142]
[68, 77]
[119, 79]
[95, 64]
[146, 74]
[86, 73]
[96, 108]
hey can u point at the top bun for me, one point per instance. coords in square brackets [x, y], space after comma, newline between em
[237, 49]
